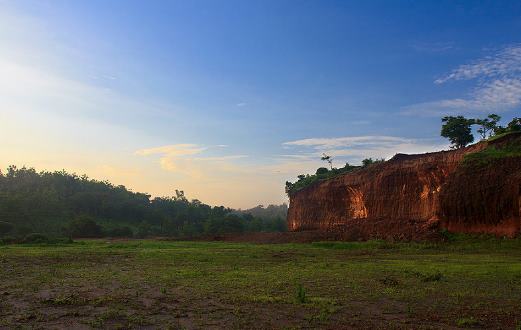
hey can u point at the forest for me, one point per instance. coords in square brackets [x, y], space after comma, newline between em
[38, 205]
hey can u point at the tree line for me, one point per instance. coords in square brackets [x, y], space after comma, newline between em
[60, 204]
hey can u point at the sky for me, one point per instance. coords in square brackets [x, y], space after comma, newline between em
[227, 100]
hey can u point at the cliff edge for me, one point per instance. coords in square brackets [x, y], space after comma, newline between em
[474, 190]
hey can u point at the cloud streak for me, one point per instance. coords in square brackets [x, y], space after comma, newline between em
[189, 159]
[497, 88]
[356, 148]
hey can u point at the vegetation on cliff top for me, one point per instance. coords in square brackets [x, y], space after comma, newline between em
[495, 152]
[323, 174]
[459, 129]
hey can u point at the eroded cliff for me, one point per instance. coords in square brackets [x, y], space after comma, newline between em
[474, 189]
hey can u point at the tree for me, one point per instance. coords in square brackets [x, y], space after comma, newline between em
[488, 125]
[328, 159]
[457, 130]
[514, 125]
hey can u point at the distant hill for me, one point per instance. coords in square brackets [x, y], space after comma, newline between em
[269, 212]
[63, 204]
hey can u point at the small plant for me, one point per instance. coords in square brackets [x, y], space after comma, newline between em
[301, 294]
[447, 235]
[466, 322]
[436, 277]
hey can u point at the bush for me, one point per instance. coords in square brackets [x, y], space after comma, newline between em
[35, 238]
[321, 170]
[84, 227]
[120, 232]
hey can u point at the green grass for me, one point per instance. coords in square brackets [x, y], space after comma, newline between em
[502, 135]
[490, 154]
[467, 282]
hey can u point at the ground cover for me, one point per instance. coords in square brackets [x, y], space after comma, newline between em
[465, 283]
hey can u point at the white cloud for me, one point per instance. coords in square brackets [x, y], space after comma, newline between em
[348, 141]
[506, 62]
[498, 86]
[356, 148]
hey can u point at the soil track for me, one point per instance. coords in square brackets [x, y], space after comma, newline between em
[360, 230]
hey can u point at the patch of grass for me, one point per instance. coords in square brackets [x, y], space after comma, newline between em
[502, 135]
[466, 322]
[491, 154]
[429, 277]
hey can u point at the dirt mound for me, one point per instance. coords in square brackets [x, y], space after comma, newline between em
[410, 195]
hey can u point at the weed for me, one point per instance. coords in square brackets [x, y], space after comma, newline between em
[438, 276]
[301, 294]
[434, 277]
[67, 300]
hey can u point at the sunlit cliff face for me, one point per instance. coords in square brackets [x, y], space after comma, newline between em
[428, 189]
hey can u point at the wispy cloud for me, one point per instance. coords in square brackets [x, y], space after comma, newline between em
[189, 159]
[497, 88]
[505, 63]
[432, 47]
[355, 148]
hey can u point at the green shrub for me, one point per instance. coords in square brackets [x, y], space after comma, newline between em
[120, 232]
[36, 238]
[321, 171]
[84, 227]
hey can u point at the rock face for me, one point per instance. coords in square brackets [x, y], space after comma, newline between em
[411, 196]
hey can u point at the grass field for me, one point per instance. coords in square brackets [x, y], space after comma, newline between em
[161, 284]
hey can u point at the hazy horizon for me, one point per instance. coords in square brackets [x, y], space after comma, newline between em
[228, 100]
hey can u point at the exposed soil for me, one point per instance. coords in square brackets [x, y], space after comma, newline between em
[407, 195]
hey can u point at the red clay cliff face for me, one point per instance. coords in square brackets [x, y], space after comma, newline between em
[412, 196]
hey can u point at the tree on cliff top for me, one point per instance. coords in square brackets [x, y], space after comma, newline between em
[457, 130]
[328, 159]
[488, 126]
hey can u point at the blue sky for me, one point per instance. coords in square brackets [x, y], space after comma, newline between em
[228, 99]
